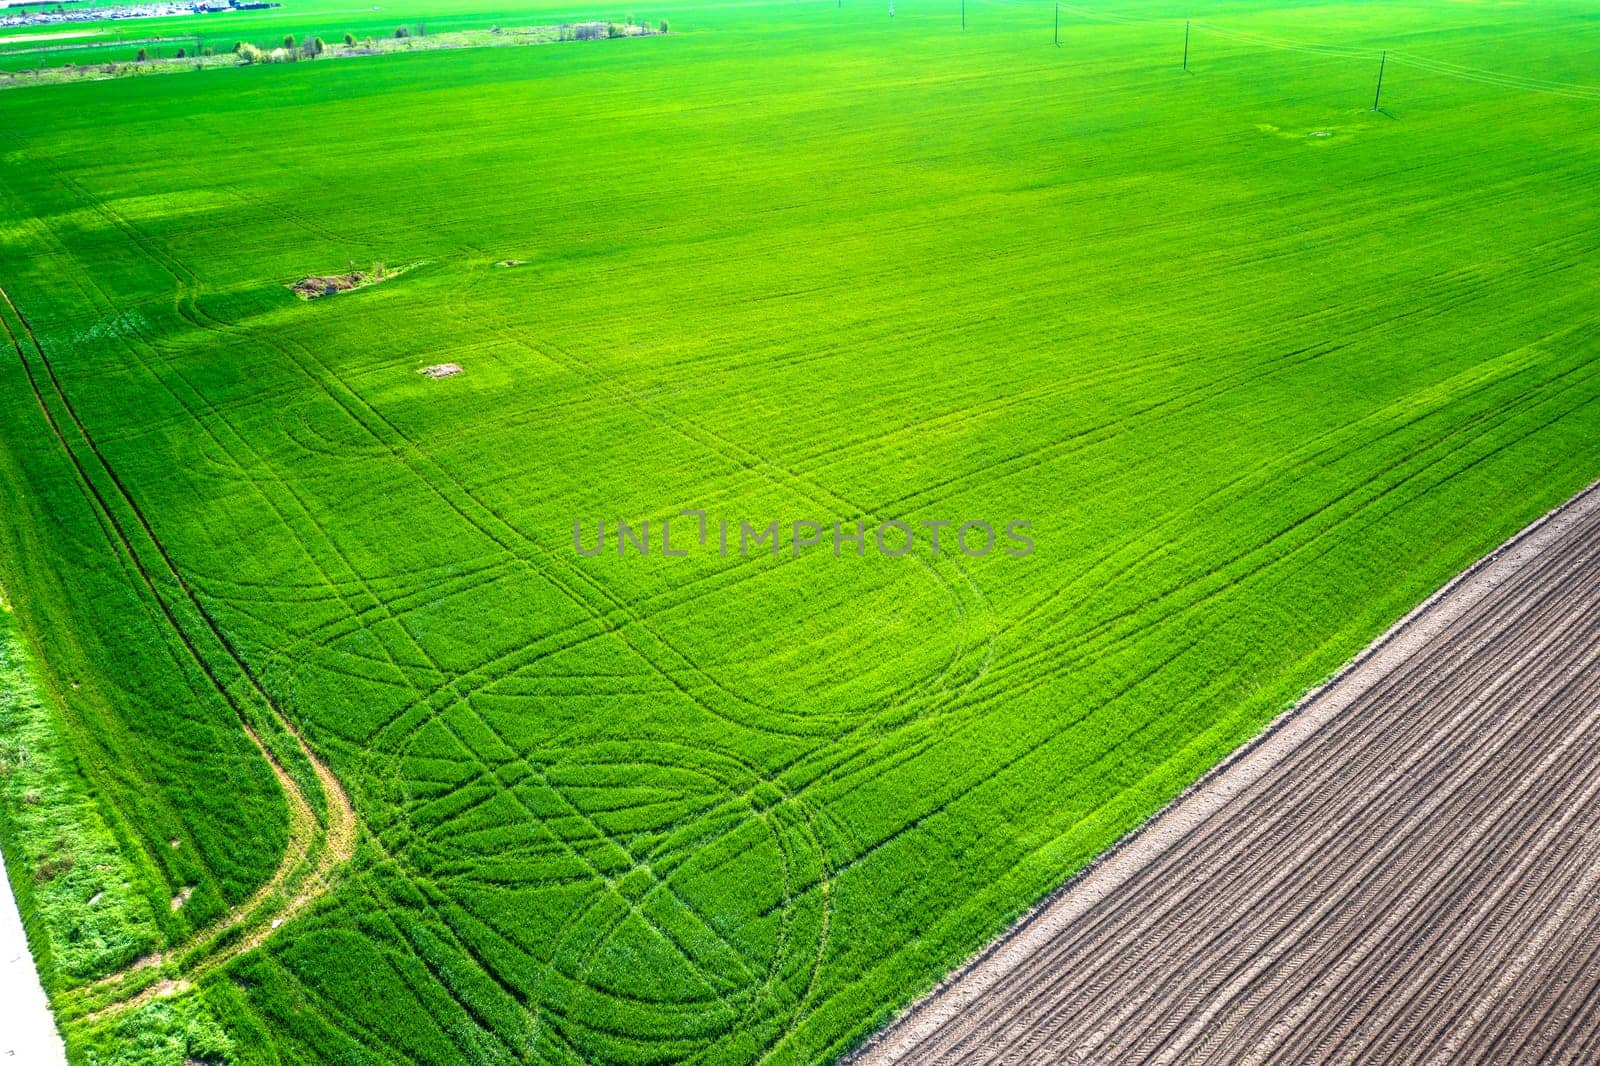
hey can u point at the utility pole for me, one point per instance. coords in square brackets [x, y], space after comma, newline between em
[1379, 91]
[1186, 46]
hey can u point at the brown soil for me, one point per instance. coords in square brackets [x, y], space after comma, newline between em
[1405, 868]
[320, 285]
[313, 287]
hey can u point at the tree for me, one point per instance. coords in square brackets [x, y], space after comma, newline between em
[238, 46]
[315, 47]
[142, 57]
[288, 42]
[663, 25]
[207, 51]
[349, 40]
[249, 53]
[401, 31]
[181, 54]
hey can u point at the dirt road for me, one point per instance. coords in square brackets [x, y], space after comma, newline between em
[1405, 869]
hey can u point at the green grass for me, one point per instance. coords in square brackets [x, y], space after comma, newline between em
[1258, 391]
[86, 915]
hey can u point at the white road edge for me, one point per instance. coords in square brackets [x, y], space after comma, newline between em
[29, 1033]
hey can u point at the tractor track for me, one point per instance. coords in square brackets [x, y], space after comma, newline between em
[318, 847]
[1404, 868]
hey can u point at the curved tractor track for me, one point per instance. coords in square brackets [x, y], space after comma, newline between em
[1406, 868]
[318, 846]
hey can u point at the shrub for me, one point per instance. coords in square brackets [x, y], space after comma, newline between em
[349, 40]
[142, 57]
[315, 47]
[208, 51]
[288, 42]
[181, 54]
[613, 30]
[249, 53]
[401, 31]
[663, 25]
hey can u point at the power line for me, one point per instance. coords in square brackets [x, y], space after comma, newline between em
[1443, 68]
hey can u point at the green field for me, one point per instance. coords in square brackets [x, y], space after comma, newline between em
[1261, 366]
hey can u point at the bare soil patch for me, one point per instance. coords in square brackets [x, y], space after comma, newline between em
[319, 285]
[441, 370]
[326, 285]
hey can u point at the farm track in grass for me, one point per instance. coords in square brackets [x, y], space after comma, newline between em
[488, 522]
[318, 846]
[1384, 876]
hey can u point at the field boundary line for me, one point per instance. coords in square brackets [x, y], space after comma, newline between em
[898, 1040]
[103, 69]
